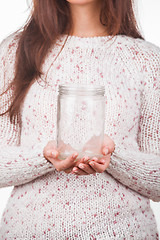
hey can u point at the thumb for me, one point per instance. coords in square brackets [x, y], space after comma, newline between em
[54, 153]
[50, 149]
[108, 145]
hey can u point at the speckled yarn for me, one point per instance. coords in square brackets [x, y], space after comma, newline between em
[50, 205]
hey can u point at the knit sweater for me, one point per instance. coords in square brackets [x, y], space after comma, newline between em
[49, 205]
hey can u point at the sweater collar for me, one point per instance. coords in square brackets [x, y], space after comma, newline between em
[86, 42]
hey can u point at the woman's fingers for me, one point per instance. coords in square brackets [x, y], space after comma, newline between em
[77, 162]
[81, 168]
[79, 171]
[68, 170]
[108, 145]
[95, 165]
[61, 165]
[86, 168]
[50, 150]
[100, 167]
[50, 154]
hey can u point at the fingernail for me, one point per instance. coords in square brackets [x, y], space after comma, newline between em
[54, 153]
[105, 151]
[91, 163]
[81, 166]
[103, 161]
[86, 159]
[48, 153]
[74, 155]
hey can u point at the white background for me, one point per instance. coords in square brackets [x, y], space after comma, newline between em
[13, 14]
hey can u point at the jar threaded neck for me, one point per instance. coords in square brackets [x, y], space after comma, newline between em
[82, 89]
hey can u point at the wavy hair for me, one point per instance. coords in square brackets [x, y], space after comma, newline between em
[48, 20]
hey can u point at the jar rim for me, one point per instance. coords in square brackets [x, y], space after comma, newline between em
[82, 88]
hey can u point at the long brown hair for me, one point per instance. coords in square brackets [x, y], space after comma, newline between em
[49, 19]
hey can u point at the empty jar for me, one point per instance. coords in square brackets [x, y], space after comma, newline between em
[80, 120]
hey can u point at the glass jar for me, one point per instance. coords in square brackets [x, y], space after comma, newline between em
[80, 120]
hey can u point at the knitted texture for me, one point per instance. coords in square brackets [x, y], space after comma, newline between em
[50, 205]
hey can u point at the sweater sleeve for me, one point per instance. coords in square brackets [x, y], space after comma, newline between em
[18, 164]
[139, 168]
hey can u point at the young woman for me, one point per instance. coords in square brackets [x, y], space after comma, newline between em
[89, 42]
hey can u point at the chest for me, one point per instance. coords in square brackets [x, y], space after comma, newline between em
[122, 95]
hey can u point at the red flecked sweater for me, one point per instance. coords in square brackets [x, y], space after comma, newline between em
[50, 205]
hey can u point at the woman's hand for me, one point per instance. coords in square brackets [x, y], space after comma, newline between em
[51, 153]
[86, 167]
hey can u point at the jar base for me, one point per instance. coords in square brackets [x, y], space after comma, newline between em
[63, 156]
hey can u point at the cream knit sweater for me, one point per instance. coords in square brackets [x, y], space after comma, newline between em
[50, 205]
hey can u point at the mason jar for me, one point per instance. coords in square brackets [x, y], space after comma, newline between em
[80, 120]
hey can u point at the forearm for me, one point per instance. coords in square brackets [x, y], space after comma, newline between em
[19, 165]
[138, 171]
